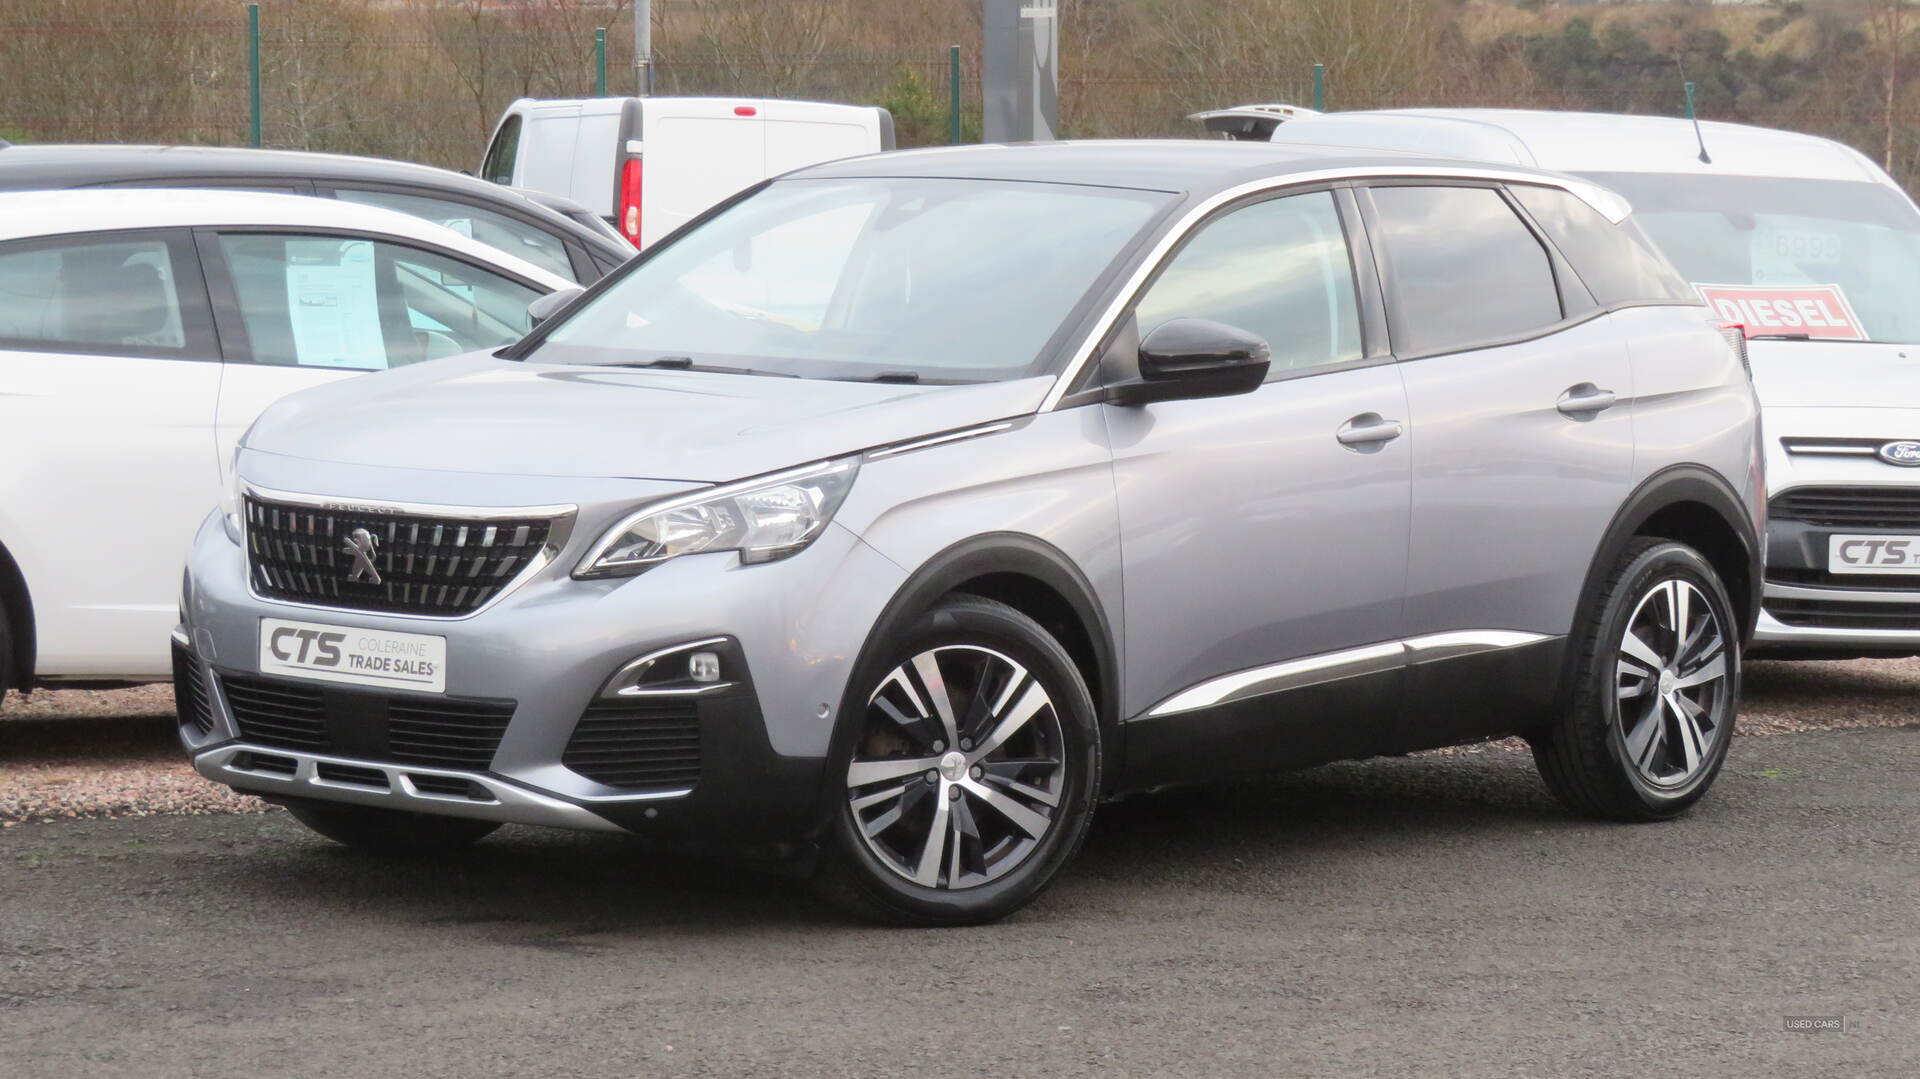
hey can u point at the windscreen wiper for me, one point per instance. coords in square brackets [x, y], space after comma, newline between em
[1780, 337]
[685, 363]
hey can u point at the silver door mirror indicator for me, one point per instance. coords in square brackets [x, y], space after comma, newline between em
[551, 304]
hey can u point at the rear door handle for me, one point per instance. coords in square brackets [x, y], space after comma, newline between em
[1368, 429]
[1585, 399]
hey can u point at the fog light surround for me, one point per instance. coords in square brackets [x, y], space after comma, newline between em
[682, 670]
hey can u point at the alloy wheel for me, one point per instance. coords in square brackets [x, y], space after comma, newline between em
[960, 768]
[1671, 683]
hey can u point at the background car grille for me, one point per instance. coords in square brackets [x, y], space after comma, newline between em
[637, 743]
[1850, 507]
[428, 565]
[1835, 614]
[190, 698]
[440, 732]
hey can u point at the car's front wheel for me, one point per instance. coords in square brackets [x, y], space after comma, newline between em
[1656, 685]
[389, 831]
[972, 773]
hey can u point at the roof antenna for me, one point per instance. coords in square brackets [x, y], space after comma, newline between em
[1697, 136]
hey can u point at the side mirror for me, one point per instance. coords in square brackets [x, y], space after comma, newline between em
[1187, 358]
[550, 305]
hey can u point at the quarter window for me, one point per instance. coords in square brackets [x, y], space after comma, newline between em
[498, 166]
[1279, 269]
[366, 305]
[118, 296]
[1617, 262]
[1464, 270]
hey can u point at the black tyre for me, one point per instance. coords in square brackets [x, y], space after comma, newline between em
[6, 656]
[1656, 685]
[972, 773]
[389, 831]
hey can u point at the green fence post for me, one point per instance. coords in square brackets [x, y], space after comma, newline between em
[953, 94]
[1319, 87]
[253, 66]
[600, 62]
[1689, 88]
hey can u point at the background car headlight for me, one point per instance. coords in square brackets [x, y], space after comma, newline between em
[230, 500]
[763, 519]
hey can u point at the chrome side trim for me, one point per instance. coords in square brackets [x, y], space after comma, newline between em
[558, 533]
[1812, 449]
[1843, 595]
[938, 440]
[1609, 205]
[512, 803]
[1293, 674]
[622, 682]
[1348, 663]
[1466, 642]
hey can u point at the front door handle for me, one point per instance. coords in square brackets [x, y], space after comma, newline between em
[1585, 399]
[1368, 429]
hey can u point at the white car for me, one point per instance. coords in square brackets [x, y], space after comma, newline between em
[141, 331]
[1816, 252]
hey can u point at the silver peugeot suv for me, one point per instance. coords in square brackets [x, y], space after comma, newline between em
[891, 516]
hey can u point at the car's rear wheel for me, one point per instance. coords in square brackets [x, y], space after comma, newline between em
[6, 656]
[1656, 686]
[389, 831]
[971, 776]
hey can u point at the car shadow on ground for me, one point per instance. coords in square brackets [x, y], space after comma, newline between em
[536, 885]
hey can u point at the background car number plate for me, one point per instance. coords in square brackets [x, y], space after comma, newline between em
[1873, 554]
[364, 657]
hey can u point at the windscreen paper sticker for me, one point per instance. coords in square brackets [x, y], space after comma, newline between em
[1772, 310]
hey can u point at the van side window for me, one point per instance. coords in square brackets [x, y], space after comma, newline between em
[1278, 268]
[1617, 262]
[1463, 269]
[498, 165]
[116, 296]
[365, 305]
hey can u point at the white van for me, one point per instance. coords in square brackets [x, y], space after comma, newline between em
[696, 150]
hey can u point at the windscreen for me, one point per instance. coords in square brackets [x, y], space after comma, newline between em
[1830, 259]
[907, 279]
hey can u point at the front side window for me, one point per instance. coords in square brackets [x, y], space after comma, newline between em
[1464, 270]
[1279, 269]
[900, 279]
[107, 295]
[494, 229]
[1792, 239]
[366, 305]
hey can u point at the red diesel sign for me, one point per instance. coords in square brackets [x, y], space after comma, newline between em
[1814, 310]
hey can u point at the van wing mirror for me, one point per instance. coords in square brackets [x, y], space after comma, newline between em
[550, 305]
[1187, 358]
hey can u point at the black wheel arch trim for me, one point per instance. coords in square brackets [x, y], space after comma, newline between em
[16, 603]
[1671, 486]
[979, 556]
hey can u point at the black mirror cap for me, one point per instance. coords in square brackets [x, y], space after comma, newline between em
[551, 304]
[1187, 358]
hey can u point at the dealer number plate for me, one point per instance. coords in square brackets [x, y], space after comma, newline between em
[361, 657]
[1873, 554]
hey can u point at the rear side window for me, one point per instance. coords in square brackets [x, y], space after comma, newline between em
[356, 304]
[116, 296]
[496, 230]
[1278, 268]
[1616, 261]
[1464, 270]
[498, 166]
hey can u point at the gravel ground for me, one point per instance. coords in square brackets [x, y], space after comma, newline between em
[72, 753]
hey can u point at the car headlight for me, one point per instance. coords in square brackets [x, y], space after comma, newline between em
[764, 519]
[230, 502]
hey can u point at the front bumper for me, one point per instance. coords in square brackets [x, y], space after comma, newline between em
[1806, 609]
[544, 652]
